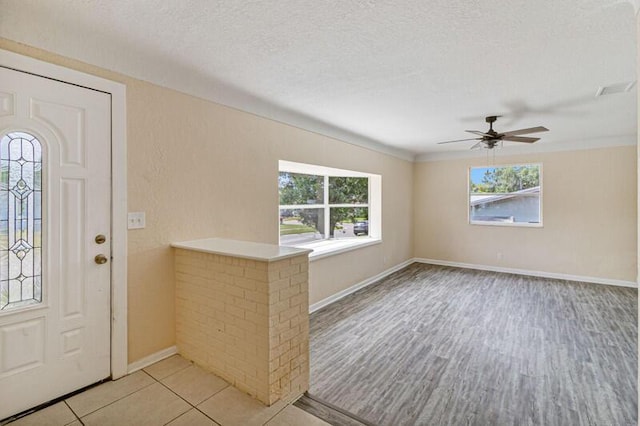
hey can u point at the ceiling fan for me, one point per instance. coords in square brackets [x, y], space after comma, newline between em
[491, 138]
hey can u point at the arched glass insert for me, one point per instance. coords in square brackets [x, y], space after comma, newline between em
[20, 220]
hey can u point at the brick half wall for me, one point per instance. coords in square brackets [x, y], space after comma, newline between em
[246, 321]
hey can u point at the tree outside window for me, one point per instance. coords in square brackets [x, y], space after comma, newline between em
[316, 207]
[505, 195]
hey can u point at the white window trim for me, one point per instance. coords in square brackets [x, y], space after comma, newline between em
[326, 248]
[329, 247]
[505, 224]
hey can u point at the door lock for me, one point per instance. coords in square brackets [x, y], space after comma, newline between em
[100, 239]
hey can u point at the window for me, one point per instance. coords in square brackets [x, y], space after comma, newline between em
[506, 195]
[20, 220]
[320, 205]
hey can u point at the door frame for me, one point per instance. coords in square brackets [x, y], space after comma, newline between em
[117, 91]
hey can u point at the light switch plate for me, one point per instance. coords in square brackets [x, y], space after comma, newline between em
[136, 220]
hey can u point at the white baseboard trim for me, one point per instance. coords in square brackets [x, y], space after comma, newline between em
[554, 275]
[151, 359]
[347, 291]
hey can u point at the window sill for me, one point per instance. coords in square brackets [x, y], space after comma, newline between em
[328, 248]
[508, 224]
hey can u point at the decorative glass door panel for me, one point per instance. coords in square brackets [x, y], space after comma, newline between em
[20, 220]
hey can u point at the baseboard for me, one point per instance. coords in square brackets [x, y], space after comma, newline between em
[347, 291]
[151, 359]
[166, 353]
[568, 277]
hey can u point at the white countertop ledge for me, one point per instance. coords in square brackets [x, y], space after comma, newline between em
[242, 249]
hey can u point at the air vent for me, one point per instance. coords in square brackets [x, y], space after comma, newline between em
[615, 88]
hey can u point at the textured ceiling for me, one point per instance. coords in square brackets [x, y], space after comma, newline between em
[400, 75]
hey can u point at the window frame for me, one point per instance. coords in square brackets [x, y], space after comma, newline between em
[507, 224]
[328, 246]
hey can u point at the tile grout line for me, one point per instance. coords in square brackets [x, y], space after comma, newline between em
[144, 387]
[114, 401]
[205, 414]
[191, 364]
[48, 404]
[166, 387]
[155, 380]
[74, 413]
[206, 399]
[190, 404]
[281, 410]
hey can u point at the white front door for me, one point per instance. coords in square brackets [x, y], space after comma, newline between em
[55, 185]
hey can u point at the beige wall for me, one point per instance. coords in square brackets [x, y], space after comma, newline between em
[199, 169]
[589, 215]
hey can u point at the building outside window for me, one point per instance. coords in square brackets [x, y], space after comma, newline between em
[506, 195]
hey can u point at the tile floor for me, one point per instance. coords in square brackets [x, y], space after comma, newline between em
[170, 392]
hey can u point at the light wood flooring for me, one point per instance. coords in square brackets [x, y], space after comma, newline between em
[432, 345]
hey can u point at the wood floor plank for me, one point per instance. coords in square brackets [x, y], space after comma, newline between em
[435, 345]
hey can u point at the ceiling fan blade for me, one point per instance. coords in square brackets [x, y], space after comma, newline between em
[526, 131]
[477, 145]
[476, 132]
[459, 140]
[520, 139]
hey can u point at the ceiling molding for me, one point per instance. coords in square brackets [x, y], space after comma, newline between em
[370, 81]
[268, 110]
[538, 148]
[212, 90]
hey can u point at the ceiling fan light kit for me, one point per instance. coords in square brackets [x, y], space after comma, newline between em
[490, 139]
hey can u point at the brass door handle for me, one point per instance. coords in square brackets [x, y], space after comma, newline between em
[100, 259]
